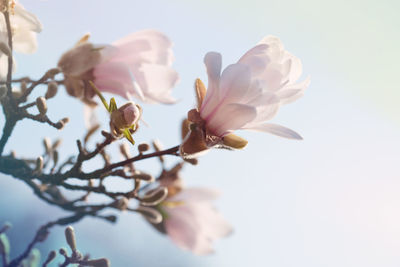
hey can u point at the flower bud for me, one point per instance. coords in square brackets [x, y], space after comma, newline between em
[158, 147]
[152, 215]
[143, 147]
[4, 245]
[121, 204]
[47, 145]
[62, 251]
[154, 197]
[103, 262]
[39, 164]
[143, 176]
[41, 105]
[52, 89]
[70, 237]
[124, 117]
[52, 72]
[52, 255]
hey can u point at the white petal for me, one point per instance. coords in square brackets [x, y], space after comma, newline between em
[196, 194]
[277, 130]
[25, 19]
[213, 62]
[24, 41]
[235, 82]
[231, 117]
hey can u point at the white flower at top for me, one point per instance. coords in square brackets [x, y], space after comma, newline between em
[24, 26]
[245, 96]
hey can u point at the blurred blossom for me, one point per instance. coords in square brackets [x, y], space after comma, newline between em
[189, 218]
[24, 26]
[125, 117]
[137, 65]
[192, 222]
[245, 96]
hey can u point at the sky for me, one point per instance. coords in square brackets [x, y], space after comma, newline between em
[329, 200]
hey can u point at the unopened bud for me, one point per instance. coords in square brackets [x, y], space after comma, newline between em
[103, 262]
[47, 145]
[52, 72]
[55, 157]
[158, 147]
[152, 215]
[23, 86]
[52, 89]
[56, 144]
[121, 204]
[3, 92]
[143, 147]
[124, 149]
[70, 237]
[52, 255]
[39, 164]
[41, 105]
[143, 176]
[4, 245]
[154, 197]
[60, 124]
[125, 117]
[63, 251]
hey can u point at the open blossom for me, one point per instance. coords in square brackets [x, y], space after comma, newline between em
[137, 65]
[245, 96]
[189, 218]
[24, 26]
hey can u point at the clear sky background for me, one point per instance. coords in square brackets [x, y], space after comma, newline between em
[329, 200]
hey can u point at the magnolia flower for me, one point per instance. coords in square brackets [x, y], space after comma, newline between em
[24, 26]
[188, 216]
[245, 96]
[192, 222]
[137, 65]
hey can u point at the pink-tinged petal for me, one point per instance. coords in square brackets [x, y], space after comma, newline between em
[264, 99]
[214, 225]
[113, 77]
[196, 194]
[156, 81]
[213, 62]
[231, 117]
[256, 59]
[290, 93]
[277, 130]
[180, 227]
[149, 46]
[235, 82]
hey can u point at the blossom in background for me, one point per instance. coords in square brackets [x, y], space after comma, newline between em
[245, 96]
[189, 218]
[24, 26]
[137, 65]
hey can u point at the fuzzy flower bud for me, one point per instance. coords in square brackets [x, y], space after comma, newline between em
[52, 89]
[125, 117]
[41, 105]
[103, 262]
[70, 237]
[143, 147]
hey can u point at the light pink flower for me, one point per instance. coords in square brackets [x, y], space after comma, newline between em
[137, 65]
[192, 222]
[245, 96]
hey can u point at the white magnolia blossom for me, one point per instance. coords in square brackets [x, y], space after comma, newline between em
[24, 26]
[251, 91]
[245, 96]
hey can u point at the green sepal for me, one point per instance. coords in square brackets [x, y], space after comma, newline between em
[100, 95]
[113, 105]
[128, 136]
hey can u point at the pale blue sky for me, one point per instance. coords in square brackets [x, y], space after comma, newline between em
[330, 200]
